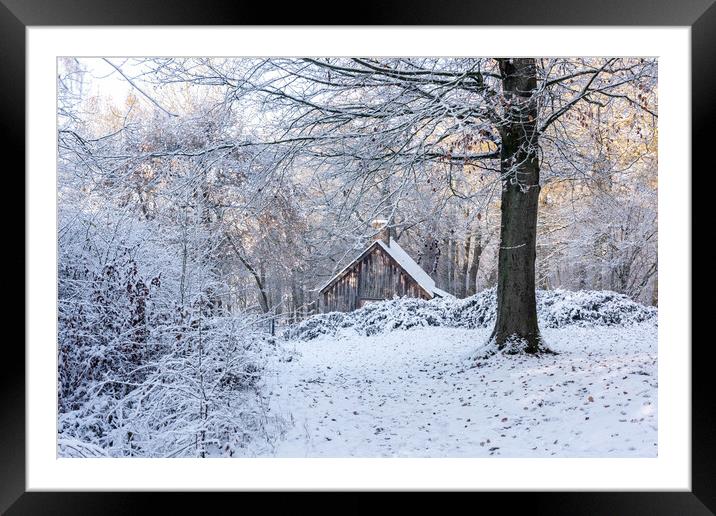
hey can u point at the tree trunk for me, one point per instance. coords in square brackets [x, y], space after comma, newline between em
[453, 265]
[465, 266]
[516, 326]
[474, 264]
[442, 278]
[429, 257]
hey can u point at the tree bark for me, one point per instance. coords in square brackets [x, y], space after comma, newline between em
[516, 326]
[453, 265]
[474, 264]
[465, 266]
[442, 278]
[429, 257]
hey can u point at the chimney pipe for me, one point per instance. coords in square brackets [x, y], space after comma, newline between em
[382, 230]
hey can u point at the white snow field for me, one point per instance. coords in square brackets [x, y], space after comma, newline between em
[413, 393]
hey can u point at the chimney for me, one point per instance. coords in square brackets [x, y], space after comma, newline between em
[382, 231]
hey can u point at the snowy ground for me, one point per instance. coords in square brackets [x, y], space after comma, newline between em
[412, 393]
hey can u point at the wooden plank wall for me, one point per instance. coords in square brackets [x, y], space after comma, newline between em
[376, 276]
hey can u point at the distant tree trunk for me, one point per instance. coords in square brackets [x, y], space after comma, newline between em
[474, 264]
[582, 276]
[261, 281]
[453, 265]
[442, 278]
[429, 256]
[516, 322]
[436, 258]
[259, 278]
[294, 302]
[492, 276]
[465, 266]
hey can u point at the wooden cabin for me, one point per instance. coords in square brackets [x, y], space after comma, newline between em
[382, 271]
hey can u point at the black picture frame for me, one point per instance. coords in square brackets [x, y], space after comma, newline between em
[17, 15]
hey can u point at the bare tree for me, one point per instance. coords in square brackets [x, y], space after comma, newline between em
[367, 116]
[379, 129]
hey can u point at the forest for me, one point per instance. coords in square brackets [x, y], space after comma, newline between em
[203, 202]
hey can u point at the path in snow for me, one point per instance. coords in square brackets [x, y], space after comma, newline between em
[412, 394]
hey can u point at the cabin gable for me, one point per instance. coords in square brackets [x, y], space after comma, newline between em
[374, 276]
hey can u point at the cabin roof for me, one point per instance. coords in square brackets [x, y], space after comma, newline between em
[409, 265]
[403, 259]
[441, 293]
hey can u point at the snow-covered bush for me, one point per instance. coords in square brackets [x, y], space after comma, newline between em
[555, 308]
[107, 298]
[558, 308]
[476, 311]
[102, 323]
[201, 398]
[395, 314]
[149, 365]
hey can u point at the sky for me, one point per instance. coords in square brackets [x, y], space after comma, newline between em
[106, 82]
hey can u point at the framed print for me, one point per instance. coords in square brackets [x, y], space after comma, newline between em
[259, 261]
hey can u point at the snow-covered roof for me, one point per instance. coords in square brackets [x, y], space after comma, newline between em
[410, 266]
[441, 293]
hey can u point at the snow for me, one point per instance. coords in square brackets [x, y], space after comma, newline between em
[555, 308]
[415, 393]
[411, 267]
[442, 293]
